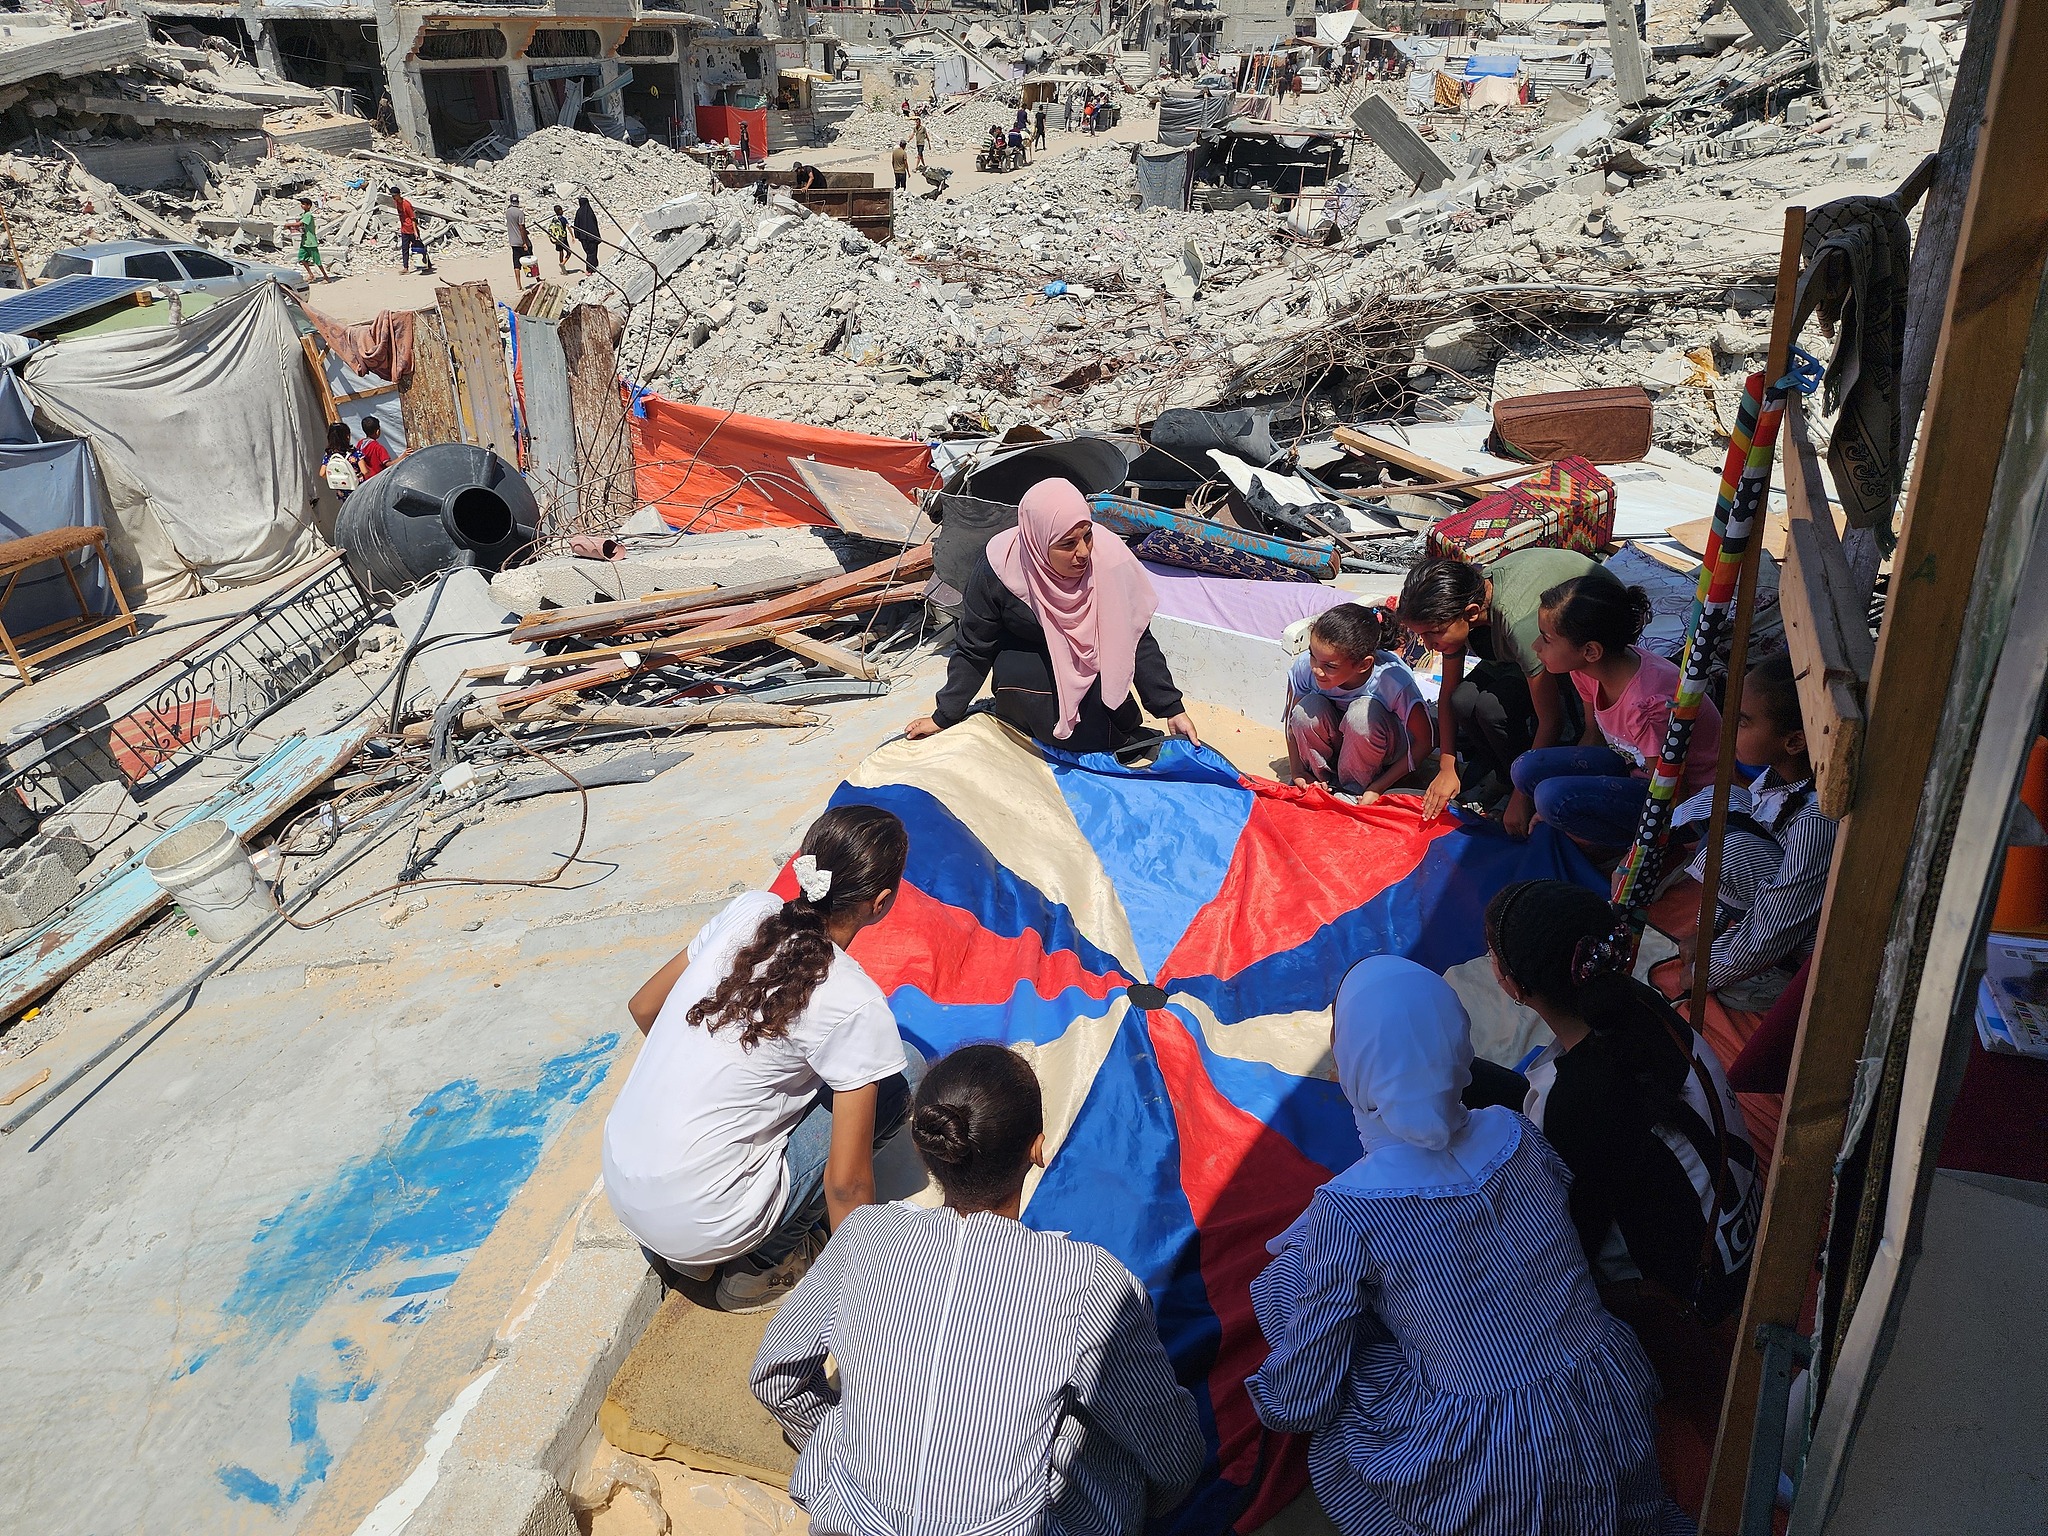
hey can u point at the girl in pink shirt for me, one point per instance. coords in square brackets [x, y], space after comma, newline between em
[1586, 629]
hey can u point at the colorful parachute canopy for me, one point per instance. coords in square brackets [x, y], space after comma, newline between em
[1165, 943]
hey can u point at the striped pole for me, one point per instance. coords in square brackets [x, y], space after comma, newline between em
[1745, 489]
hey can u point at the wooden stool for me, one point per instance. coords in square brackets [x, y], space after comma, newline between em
[59, 544]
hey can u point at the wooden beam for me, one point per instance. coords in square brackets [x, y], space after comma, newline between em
[826, 654]
[311, 348]
[1826, 629]
[1987, 319]
[1398, 455]
[609, 618]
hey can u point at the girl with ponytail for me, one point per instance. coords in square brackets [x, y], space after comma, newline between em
[1664, 1180]
[771, 1074]
[1027, 1362]
[1356, 720]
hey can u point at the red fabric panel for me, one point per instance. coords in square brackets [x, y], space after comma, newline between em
[706, 469]
[1329, 866]
[722, 124]
[1245, 1183]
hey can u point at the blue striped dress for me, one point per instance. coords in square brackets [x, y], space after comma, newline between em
[993, 1380]
[1449, 1355]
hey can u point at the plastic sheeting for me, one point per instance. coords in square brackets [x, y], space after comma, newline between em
[1183, 114]
[208, 437]
[45, 486]
[1261, 608]
[705, 470]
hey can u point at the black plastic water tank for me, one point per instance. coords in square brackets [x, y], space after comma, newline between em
[421, 514]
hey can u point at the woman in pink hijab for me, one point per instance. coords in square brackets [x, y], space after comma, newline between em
[1062, 621]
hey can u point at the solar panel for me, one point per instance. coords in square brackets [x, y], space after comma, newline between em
[42, 307]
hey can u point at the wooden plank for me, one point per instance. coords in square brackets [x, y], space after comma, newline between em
[550, 426]
[483, 393]
[1987, 319]
[604, 618]
[1625, 45]
[1379, 121]
[826, 654]
[128, 895]
[311, 347]
[1396, 454]
[864, 503]
[913, 562]
[426, 401]
[1831, 669]
[1693, 534]
[604, 436]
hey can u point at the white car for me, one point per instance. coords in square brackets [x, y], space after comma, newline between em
[186, 268]
[1312, 80]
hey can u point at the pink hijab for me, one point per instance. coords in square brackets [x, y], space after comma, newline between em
[1093, 624]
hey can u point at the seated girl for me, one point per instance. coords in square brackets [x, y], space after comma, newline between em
[1356, 720]
[1779, 847]
[990, 1378]
[1505, 703]
[771, 1073]
[1587, 629]
[1433, 1324]
[1635, 1103]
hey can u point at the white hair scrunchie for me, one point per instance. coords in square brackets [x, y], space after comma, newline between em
[815, 883]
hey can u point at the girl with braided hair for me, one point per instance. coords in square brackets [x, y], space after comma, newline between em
[771, 1075]
[1665, 1192]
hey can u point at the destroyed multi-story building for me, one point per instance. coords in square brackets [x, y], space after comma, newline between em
[460, 71]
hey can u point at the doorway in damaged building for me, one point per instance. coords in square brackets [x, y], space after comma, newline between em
[463, 105]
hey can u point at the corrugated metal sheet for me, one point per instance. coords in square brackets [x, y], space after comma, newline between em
[550, 426]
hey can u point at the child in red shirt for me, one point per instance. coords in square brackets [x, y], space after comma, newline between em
[371, 455]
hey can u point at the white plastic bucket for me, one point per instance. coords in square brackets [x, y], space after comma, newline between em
[205, 867]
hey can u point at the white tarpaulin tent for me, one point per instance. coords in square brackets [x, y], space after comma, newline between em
[208, 436]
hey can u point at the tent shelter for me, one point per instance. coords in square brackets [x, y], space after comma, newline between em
[208, 437]
[46, 485]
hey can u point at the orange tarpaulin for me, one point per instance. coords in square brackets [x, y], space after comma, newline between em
[706, 469]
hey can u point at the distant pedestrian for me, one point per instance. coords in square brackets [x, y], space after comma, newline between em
[338, 468]
[746, 145]
[371, 456]
[519, 238]
[586, 231]
[387, 115]
[1023, 123]
[1038, 125]
[1088, 116]
[921, 136]
[1067, 105]
[409, 234]
[309, 243]
[558, 236]
[899, 162]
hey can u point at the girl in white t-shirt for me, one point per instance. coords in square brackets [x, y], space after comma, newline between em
[1356, 720]
[771, 1073]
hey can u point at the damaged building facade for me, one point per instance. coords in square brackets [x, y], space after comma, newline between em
[462, 74]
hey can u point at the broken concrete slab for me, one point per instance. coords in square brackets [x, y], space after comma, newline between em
[1773, 23]
[32, 886]
[99, 818]
[1631, 79]
[1378, 120]
[506, 1501]
[468, 629]
[68, 53]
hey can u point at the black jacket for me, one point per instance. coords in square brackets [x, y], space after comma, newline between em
[993, 619]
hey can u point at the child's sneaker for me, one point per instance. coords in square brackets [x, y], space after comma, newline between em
[743, 1288]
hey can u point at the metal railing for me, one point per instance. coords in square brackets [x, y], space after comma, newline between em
[202, 700]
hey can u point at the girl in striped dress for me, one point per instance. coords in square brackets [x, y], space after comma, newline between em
[1433, 1324]
[992, 1379]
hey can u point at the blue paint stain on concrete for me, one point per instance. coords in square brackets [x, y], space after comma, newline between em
[434, 1189]
[419, 1283]
[179, 1372]
[302, 1418]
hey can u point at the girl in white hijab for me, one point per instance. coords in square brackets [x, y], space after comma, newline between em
[1433, 1324]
